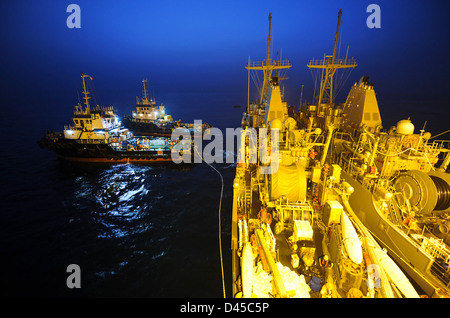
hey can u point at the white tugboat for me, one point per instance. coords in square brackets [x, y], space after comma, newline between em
[148, 119]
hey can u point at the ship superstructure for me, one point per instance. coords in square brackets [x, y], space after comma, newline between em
[94, 125]
[401, 193]
[148, 118]
[146, 110]
[293, 232]
[403, 189]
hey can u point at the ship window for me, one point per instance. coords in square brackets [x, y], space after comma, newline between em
[366, 116]
[375, 116]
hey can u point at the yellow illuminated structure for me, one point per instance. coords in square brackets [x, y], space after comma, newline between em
[286, 221]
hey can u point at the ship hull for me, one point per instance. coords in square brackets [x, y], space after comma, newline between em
[102, 153]
[234, 245]
[407, 253]
[116, 160]
[146, 128]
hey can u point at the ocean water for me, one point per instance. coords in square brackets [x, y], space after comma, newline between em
[134, 230]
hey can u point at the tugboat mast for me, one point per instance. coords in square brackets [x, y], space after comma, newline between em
[86, 93]
[144, 91]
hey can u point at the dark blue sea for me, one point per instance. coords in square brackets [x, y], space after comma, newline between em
[134, 230]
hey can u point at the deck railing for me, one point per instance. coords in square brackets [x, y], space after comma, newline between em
[284, 63]
[326, 61]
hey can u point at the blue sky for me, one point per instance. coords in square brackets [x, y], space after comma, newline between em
[198, 46]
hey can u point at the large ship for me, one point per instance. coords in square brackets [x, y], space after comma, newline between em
[401, 194]
[294, 234]
[148, 119]
[97, 135]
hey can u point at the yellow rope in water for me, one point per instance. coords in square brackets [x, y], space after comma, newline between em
[220, 225]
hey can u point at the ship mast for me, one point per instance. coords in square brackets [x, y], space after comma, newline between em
[144, 91]
[86, 93]
[330, 64]
[269, 38]
[267, 66]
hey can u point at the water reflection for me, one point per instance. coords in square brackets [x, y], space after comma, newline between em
[118, 198]
[131, 221]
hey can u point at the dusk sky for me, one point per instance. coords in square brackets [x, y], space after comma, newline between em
[202, 46]
[145, 230]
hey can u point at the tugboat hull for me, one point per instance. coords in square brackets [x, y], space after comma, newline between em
[146, 128]
[73, 151]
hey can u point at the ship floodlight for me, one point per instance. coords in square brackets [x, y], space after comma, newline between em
[348, 188]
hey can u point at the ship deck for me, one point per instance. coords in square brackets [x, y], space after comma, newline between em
[284, 257]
